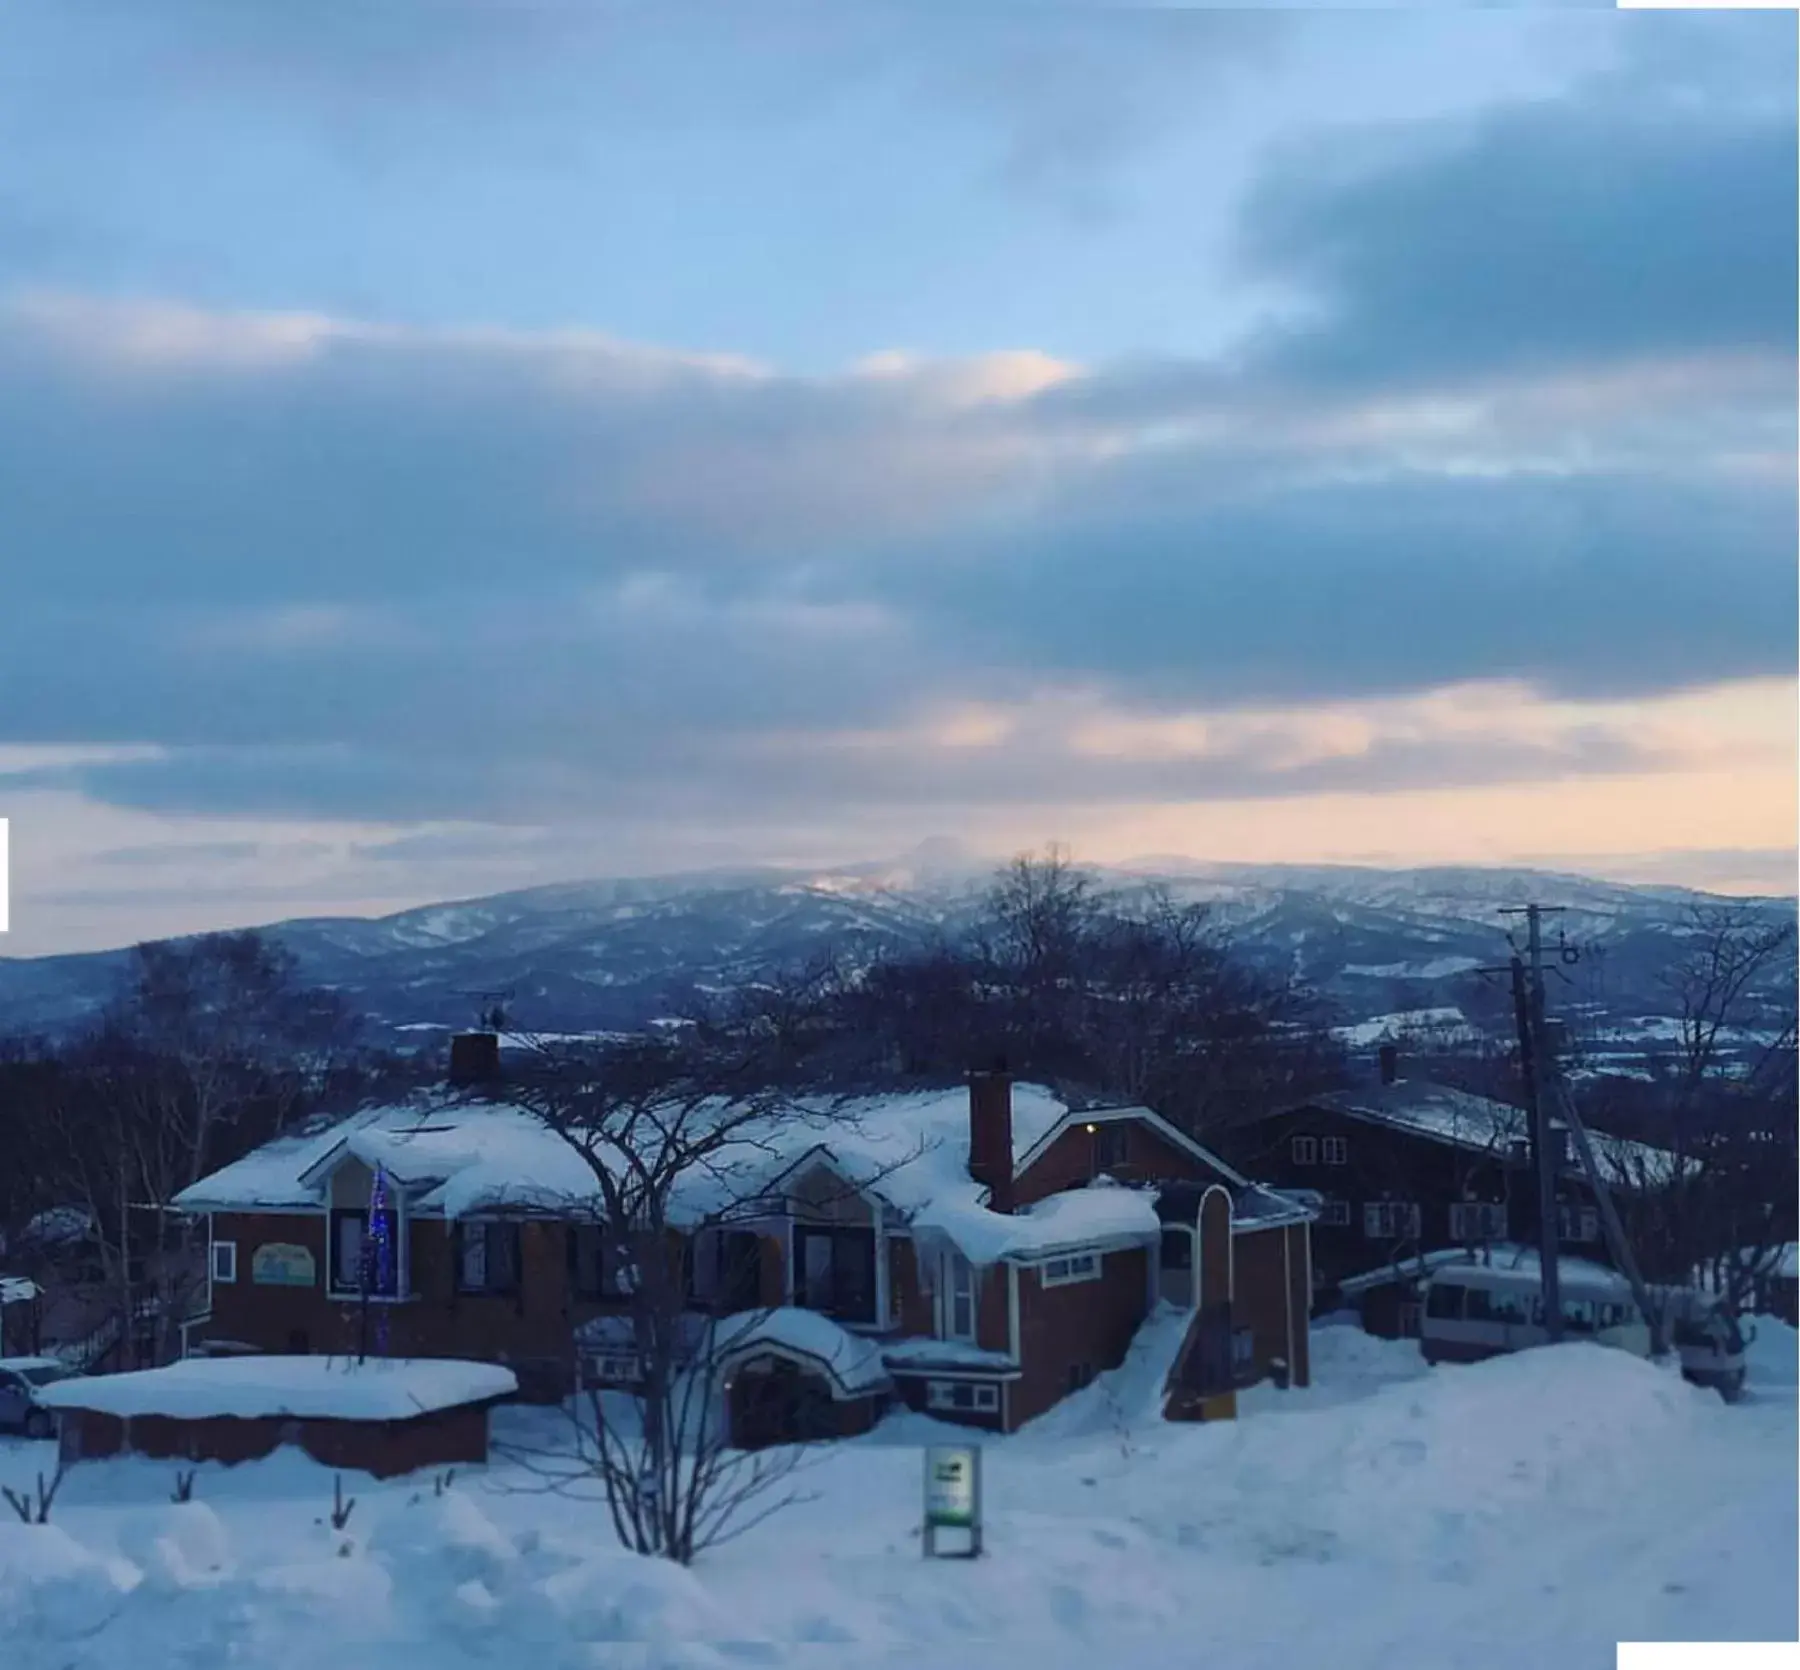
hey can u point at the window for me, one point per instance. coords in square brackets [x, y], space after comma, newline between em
[959, 1297]
[1305, 1150]
[963, 1396]
[613, 1368]
[1334, 1151]
[1500, 1308]
[356, 1264]
[1060, 1272]
[1478, 1220]
[1580, 1316]
[1578, 1223]
[1335, 1213]
[834, 1271]
[487, 1258]
[1444, 1302]
[587, 1261]
[1112, 1142]
[1390, 1220]
[348, 1232]
[1243, 1348]
[224, 1261]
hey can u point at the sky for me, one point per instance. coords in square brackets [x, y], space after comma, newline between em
[446, 448]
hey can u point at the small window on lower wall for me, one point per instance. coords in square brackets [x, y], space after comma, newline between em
[224, 1261]
[1059, 1272]
[962, 1396]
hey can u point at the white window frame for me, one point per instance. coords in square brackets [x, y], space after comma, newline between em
[222, 1276]
[954, 1265]
[1335, 1214]
[1334, 1151]
[1478, 1220]
[614, 1367]
[1070, 1268]
[1304, 1151]
[984, 1397]
[1574, 1221]
[1382, 1220]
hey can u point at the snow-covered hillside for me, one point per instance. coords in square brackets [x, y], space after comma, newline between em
[1525, 1512]
[615, 955]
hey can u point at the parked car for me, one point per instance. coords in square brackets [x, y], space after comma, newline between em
[20, 1378]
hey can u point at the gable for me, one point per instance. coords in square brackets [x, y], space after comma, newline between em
[1133, 1145]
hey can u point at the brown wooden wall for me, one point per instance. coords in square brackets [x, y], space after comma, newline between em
[443, 1438]
[1082, 1324]
[531, 1330]
[1069, 1162]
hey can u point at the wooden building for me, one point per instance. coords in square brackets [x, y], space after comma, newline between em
[995, 1247]
[1404, 1166]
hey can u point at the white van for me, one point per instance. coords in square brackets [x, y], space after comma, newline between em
[1474, 1311]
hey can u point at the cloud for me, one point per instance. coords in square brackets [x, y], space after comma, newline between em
[344, 568]
[1575, 232]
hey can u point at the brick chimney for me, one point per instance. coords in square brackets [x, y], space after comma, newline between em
[474, 1059]
[1390, 1062]
[990, 1134]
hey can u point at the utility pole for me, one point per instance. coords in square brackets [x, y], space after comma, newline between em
[1535, 1067]
[1545, 1092]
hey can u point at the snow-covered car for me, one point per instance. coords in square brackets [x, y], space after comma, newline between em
[21, 1378]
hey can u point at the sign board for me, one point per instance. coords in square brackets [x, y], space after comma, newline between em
[953, 1494]
[282, 1264]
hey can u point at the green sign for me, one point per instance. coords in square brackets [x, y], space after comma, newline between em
[953, 1493]
[282, 1264]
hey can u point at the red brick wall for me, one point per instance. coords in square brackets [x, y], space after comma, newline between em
[1089, 1323]
[1068, 1163]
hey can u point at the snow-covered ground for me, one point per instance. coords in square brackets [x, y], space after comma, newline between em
[1530, 1511]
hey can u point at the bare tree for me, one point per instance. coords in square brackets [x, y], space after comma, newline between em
[681, 1135]
[1125, 994]
[1713, 1193]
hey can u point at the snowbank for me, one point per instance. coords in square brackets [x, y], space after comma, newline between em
[1526, 1512]
[249, 1388]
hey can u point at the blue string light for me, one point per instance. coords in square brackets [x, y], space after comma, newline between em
[381, 1234]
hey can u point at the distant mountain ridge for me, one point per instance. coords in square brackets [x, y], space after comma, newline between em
[1379, 945]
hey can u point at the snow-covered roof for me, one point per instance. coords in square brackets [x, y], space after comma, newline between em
[302, 1388]
[852, 1365]
[1480, 1123]
[916, 1356]
[471, 1158]
[16, 1290]
[18, 1365]
[466, 1158]
[850, 1362]
[1505, 1255]
[1096, 1216]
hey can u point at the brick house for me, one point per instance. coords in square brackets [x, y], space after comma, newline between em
[977, 1254]
[1406, 1167]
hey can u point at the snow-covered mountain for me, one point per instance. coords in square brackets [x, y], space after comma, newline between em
[619, 954]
